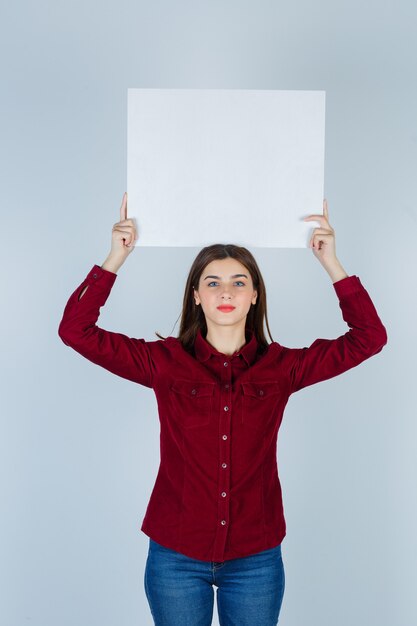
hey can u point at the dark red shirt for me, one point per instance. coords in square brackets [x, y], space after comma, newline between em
[217, 494]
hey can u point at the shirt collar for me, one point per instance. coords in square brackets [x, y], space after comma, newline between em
[203, 350]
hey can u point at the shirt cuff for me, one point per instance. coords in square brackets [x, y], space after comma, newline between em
[100, 276]
[347, 285]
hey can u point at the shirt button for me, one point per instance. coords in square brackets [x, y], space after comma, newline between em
[194, 391]
[224, 464]
[223, 522]
[225, 363]
[226, 408]
[226, 386]
[94, 275]
[261, 393]
[225, 437]
[223, 494]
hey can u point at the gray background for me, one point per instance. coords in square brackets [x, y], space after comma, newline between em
[79, 447]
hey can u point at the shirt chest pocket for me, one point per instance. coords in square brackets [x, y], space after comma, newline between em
[258, 403]
[192, 402]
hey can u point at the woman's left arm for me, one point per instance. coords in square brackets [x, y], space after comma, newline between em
[366, 336]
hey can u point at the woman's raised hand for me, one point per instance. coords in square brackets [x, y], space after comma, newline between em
[323, 244]
[322, 240]
[124, 233]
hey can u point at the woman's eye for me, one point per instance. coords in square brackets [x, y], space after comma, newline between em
[238, 281]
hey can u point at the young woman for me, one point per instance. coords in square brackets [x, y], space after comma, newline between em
[215, 516]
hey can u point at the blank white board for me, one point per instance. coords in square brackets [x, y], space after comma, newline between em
[239, 166]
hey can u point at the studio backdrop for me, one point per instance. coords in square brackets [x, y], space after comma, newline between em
[79, 447]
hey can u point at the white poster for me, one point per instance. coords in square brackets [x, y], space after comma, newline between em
[240, 166]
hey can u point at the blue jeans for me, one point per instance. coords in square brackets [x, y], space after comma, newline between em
[180, 590]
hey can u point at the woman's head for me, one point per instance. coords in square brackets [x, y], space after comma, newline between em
[214, 279]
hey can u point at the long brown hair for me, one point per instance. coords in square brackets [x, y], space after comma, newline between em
[192, 316]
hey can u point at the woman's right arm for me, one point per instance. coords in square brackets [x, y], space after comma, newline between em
[122, 355]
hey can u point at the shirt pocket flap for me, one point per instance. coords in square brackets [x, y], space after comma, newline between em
[192, 388]
[261, 390]
[191, 402]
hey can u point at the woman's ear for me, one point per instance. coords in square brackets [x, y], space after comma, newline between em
[255, 295]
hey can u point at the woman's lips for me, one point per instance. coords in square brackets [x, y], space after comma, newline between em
[226, 309]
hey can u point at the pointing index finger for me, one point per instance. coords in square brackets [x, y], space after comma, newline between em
[123, 208]
[322, 219]
[325, 209]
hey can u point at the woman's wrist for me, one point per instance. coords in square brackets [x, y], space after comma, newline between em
[111, 264]
[336, 272]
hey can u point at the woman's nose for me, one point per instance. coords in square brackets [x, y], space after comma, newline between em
[227, 291]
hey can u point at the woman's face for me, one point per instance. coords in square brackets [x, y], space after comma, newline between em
[225, 282]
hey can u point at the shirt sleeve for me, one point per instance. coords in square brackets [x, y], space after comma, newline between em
[124, 356]
[326, 358]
